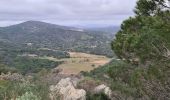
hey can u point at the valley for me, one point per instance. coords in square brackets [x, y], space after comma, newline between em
[79, 62]
[95, 55]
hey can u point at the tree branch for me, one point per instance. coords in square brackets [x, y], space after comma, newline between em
[161, 3]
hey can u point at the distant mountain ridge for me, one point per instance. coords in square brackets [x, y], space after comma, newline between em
[108, 29]
[45, 35]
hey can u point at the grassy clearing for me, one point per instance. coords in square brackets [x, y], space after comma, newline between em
[80, 62]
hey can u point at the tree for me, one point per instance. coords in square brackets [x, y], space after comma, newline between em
[144, 43]
[145, 37]
[151, 7]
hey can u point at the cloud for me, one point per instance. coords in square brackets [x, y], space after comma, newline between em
[67, 12]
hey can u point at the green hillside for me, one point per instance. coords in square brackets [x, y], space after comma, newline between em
[45, 35]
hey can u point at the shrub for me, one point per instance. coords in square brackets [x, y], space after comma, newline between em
[28, 96]
[100, 96]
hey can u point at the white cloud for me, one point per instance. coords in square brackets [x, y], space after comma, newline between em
[66, 11]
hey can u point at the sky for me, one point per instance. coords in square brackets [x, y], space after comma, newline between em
[83, 13]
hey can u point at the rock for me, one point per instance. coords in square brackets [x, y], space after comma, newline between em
[103, 89]
[65, 90]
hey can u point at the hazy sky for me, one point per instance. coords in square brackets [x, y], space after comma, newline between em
[66, 12]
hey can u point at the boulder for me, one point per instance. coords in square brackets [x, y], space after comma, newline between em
[103, 89]
[65, 90]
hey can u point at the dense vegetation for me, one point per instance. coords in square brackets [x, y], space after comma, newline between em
[26, 60]
[143, 45]
[145, 37]
[100, 96]
[17, 63]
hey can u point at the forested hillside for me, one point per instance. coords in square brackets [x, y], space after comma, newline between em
[25, 60]
[45, 35]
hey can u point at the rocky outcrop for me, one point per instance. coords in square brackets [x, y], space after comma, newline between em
[103, 89]
[65, 90]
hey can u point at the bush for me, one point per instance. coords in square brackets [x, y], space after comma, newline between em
[28, 96]
[20, 90]
[100, 96]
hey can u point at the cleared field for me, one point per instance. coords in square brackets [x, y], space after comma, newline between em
[80, 62]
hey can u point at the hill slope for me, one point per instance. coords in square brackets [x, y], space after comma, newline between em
[45, 35]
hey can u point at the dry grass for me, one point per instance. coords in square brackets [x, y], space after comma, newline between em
[80, 62]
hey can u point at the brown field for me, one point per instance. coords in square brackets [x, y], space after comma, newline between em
[80, 62]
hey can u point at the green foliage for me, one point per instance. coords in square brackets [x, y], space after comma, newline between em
[11, 90]
[125, 89]
[143, 42]
[17, 59]
[43, 52]
[28, 96]
[150, 7]
[5, 69]
[121, 73]
[144, 37]
[33, 65]
[135, 77]
[100, 96]
[118, 70]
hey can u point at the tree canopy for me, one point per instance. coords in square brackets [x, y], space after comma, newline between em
[146, 36]
[151, 7]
